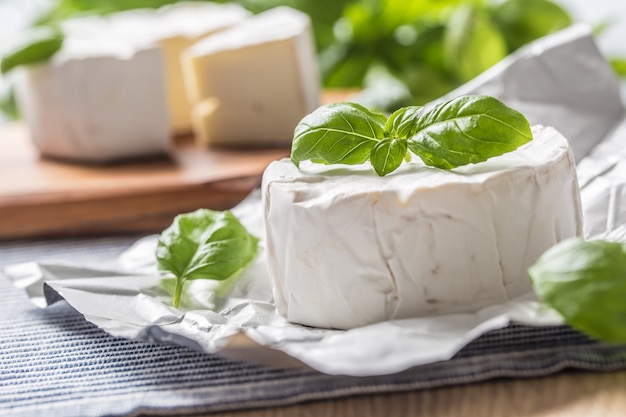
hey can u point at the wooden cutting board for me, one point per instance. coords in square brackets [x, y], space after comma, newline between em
[43, 197]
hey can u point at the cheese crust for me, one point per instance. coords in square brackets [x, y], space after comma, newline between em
[347, 248]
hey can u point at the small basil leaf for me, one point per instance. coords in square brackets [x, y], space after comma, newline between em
[387, 155]
[468, 129]
[338, 133]
[586, 283]
[204, 244]
[40, 45]
[403, 122]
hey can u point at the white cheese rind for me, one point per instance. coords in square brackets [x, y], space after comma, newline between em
[252, 83]
[347, 248]
[97, 109]
[173, 28]
[115, 89]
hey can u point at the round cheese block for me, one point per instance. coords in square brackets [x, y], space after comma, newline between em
[347, 248]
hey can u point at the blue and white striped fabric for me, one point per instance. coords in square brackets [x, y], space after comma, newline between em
[54, 363]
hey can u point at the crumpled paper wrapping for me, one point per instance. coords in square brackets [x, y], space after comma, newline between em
[561, 81]
[125, 299]
[602, 180]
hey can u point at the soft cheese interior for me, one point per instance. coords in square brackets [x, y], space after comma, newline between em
[174, 28]
[251, 84]
[347, 248]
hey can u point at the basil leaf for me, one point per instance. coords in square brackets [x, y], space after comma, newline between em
[204, 244]
[464, 130]
[403, 122]
[338, 133]
[468, 129]
[586, 283]
[39, 46]
[387, 155]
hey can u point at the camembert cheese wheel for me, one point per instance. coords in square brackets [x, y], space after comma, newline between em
[347, 248]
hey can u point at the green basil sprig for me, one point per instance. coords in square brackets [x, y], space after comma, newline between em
[37, 46]
[205, 244]
[585, 281]
[464, 130]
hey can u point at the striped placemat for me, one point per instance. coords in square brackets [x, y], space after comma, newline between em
[55, 363]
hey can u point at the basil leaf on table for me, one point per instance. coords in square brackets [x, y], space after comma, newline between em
[338, 133]
[585, 281]
[40, 45]
[468, 129]
[204, 244]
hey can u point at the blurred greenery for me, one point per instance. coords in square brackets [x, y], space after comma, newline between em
[37, 46]
[414, 51]
[8, 106]
[521, 21]
[399, 51]
[619, 65]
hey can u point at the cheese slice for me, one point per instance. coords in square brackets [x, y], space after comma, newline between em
[347, 248]
[173, 28]
[252, 83]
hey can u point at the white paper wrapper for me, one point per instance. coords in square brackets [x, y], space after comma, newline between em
[561, 81]
[125, 299]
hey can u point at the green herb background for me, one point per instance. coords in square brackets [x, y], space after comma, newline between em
[400, 52]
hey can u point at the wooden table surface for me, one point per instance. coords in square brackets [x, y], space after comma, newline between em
[566, 394]
[45, 197]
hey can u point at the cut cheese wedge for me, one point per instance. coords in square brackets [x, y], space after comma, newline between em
[251, 84]
[173, 28]
[347, 248]
[115, 89]
[96, 109]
